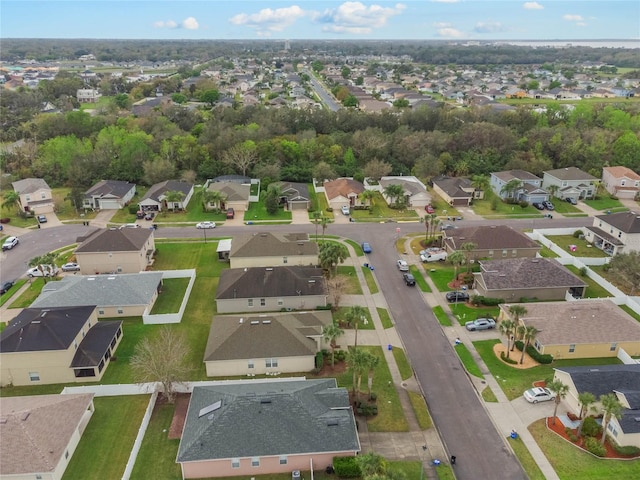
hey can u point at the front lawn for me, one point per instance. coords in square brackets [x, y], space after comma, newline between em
[465, 312]
[440, 274]
[442, 316]
[12, 291]
[340, 315]
[605, 202]
[404, 366]
[583, 248]
[258, 212]
[30, 294]
[526, 459]
[565, 208]
[467, 360]
[354, 287]
[420, 409]
[169, 300]
[371, 281]
[492, 205]
[380, 210]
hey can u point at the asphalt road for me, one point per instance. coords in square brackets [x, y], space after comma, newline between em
[325, 96]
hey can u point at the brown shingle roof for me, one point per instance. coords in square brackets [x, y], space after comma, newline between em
[159, 189]
[518, 273]
[270, 282]
[272, 245]
[343, 187]
[628, 222]
[488, 238]
[619, 172]
[115, 240]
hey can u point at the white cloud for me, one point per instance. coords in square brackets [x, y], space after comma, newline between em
[357, 18]
[167, 24]
[532, 6]
[269, 20]
[488, 27]
[442, 24]
[189, 23]
[450, 33]
[573, 18]
[445, 1]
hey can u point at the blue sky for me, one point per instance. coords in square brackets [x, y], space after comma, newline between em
[323, 19]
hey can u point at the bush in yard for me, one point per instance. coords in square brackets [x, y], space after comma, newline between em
[133, 209]
[572, 436]
[509, 360]
[627, 451]
[486, 301]
[319, 360]
[590, 427]
[494, 203]
[533, 353]
[577, 233]
[593, 445]
[524, 204]
[346, 467]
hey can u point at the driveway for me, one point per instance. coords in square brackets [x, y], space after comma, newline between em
[300, 217]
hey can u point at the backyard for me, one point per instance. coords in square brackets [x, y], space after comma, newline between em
[582, 247]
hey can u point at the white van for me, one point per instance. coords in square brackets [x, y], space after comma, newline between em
[439, 256]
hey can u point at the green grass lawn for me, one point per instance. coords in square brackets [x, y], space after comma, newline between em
[65, 210]
[465, 313]
[340, 316]
[594, 290]
[420, 281]
[610, 277]
[385, 318]
[442, 316]
[356, 247]
[485, 207]
[371, 281]
[547, 252]
[571, 463]
[380, 210]
[488, 395]
[173, 291]
[30, 294]
[526, 460]
[420, 409]
[440, 274]
[467, 360]
[404, 366]
[583, 248]
[323, 205]
[108, 439]
[605, 202]
[354, 287]
[565, 208]
[8, 295]
[441, 207]
[258, 212]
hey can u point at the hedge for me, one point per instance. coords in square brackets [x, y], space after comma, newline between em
[533, 353]
[346, 467]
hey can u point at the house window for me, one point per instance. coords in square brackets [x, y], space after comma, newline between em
[514, 253]
[263, 302]
[285, 259]
[537, 345]
[101, 312]
[120, 311]
[636, 183]
[619, 234]
[491, 253]
[280, 302]
[255, 461]
[34, 376]
[250, 302]
[75, 344]
[564, 184]
[613, 347]
[119, 269]
[623, 182]
[283, 460]
[43, 196]
[66, 454]
[250, 364]
[271, 362]
[235, 463]
[612, 428]
[504, 253]
[572, 348]
[28, 197]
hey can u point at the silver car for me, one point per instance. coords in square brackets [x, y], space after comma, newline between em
[480, 324]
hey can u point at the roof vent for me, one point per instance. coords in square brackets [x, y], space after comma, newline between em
[332, 423]
[263, 234]
[3, 420]
[255, 322]
[44, 313]
[24, 416]
[594, 369]
[266, 322]
[210, 408]
[269, 269]
[265, 401]
[312, 281]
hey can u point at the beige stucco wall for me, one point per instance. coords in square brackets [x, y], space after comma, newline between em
[516, 295]
[629, 439]
[127, 311]
[271, 304]
[242, 262]
[222, 468]
[591, 350]
[117, 262]
[240, 367]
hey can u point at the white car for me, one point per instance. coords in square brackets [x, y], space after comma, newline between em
[345, 210]
[539, 394]
[206, 225]
[403, 266]
[130, 225]
[9, 243]
[43, 271]
[70, 267]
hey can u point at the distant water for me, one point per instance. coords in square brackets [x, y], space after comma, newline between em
[574, 43]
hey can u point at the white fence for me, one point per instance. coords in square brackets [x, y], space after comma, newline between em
[625, 358]
[162, 318]
[255, 198]
[133, 456]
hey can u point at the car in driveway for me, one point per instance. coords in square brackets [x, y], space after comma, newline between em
[41, 219]
[149, 216]
[538, 205]
[9, 243]
[5, 287]
[206, 225]
[70, 267]
[548, 205]
[366, 248]
[345, 210]
[429, 209]
[43, 271]
[403, 266]
[538, 394]
[409, 279]
[571, 200]
[480, 324]
[453, 297]
[231, 214]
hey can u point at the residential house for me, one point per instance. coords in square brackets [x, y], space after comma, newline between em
[587, 328]
[415, 192]
[236, 195]
[621, 380]
[513, 279]
[35, 195]
[456, 191]
[87, 95]
[116, 250]
[124, 295]
[621, 182]
[109, 195]
[492, 242]
[42, 346]
[51, 425]
[529, 190]
[343, 191]
[268, 289]
[615, 233]
[227, 424]
[156, 197]
[265, 344]
[294, 195]
[268, 249]
[569, 182]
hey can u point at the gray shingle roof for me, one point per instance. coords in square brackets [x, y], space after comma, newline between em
[110, 188]
[159, 189]
[273, 336]
[570, 173]
[270, 282]
[488, 237]
[115, 240]
[121, 290]
[294, 191]
[628, 222]
[268, 419]
[409, 184]
[29, 185]
[519, 273]
[233, 191]
[268, 244]
[95, 344]
[509, 175]
[453, 186]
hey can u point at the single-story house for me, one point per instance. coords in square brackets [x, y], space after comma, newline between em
[569, 182]
[35, 195]
[621, 380]
[343, 191]
[51, 425]
[530, 189]
[456, 191]
[87, 95]
[268, 289]
[514, 278]
[294, 195]
[621, 182]
[236, 195]
[492, 241]
[123, 295]
[615, 233]
[155, 199]
[306, 422]
[268, 249]
[41, 346]
[264, 344]
[415, 192]
[109, 195]
[587, 328]
[116, 250]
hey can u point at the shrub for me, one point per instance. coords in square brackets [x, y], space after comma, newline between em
[494, 203]
[319, 360]
[590, 427]
[593, 445]
[627, 451]
[340, 355]
[486, 301]
[577, 233]
[533, 353]
[583, 271]
[572, 436]
[509, 360]
[346, 467]
[373, 397]
[133, 209]
[329, 209]
[524, 204]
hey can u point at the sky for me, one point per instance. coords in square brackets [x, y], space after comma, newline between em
[322, 19]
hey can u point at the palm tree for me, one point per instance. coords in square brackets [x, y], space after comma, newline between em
[480, 183]
[611, 407]
[561, 390]
[586, 400]
[367, 196]
[511, 188]
[332, 253]
[467, 248]
[372, 363]
[324, 223]
[507, 328]
[357, 361]
[42, 260]
[520, 330]
[394, 192]
[529, 336]
[553, 189]
[371, 463]
[316, 219]
[212, 197]
[517, 311]
[11, 198]
[330, 333]
[457, 258]
[353, 317]
[173, 197]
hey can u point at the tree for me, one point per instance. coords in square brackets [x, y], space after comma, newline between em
[48, 259]
[324, 223]
[507, 327]
[330, 333]
[371, 463]
[158, 170]
[511, 188]
[553, 189]
[241, 156]
[354, 316]
[372, 363]
[394, 192]
[272, 199]
[480, 182]
[173, 199]
[529, 336]
[162, 358]
[357, 362]
[212, 197]
[586, 400]
[561, 390]
[331, 254]
[611, 407]
[367, 196]
[468, 248]
[323, 171]
[517, 311]
[457, 258]
[336, 286]
[376, 169]
[210, 96]
[626, 268]
[11, 199]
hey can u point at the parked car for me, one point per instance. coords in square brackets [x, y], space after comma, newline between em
[538, 394]
[429, 209]
[5, 287]
[453, 297]
[571, 200]
[231, 213]
[446, 226]
[403, 266]
[140, 214]
[548, 205]
[41, 219]
[539, 206]
[366, 248]
[70, 267]
[9, 243]
[130, 225]
[345, 210]
[434, 256]
[149, 216]
[409, 279]
[480, 324]
[206, 225]
[43, 271]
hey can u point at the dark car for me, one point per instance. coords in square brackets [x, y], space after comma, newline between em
[42, 219]
[571, 200]
[149, 216]
[5, 287]
[409, 279]
[139, 214]
[366, 248]
[539, 206]
[548, 205]
[454, 297]
[231, 213]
